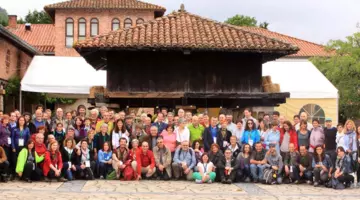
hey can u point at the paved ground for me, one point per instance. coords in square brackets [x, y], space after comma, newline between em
[174, 190]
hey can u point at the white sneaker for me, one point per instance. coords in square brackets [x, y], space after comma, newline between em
[101, 177]
[198, 181]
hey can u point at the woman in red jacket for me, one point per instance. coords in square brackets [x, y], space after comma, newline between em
[53, 163]
[287, 135]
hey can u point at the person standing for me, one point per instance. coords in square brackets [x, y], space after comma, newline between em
[196, 129]
[287, 136]
[210, 134]
[4, 166]
[273, 137]
[317, 136]
[238, 132]
[330, 140]
[105, 120]
[303, 134]
[223, 137]
[303, 116]
[5, 138]
[160, 124]
[251, 134]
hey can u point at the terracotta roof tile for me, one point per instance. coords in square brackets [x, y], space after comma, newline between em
[182, 30]
[41, 36]
[307, 49]
[105, 4]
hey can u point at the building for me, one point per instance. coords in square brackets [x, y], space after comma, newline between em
[16, 56]
[74, 21]
[186, 60]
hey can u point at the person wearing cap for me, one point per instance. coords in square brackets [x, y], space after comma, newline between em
[330, 133]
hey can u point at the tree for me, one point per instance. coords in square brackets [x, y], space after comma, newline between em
[3, 17]
[243, 20]
[343, 70]
[36, 17]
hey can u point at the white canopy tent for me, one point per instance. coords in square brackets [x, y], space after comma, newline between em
[59, 76]
[299, 77]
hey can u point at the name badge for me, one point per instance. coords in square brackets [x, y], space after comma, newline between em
[87, 163]
[33, 166]
[214, 139]
[251, 142]
[291, 169]
[21, 142]
[9, 140]
[69, 165]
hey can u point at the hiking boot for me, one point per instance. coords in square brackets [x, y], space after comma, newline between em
[46, 179]
[223, 181]
[28, 180]
[62, 179]
[228, 181]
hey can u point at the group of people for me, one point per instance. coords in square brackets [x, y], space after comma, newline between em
[179, 146]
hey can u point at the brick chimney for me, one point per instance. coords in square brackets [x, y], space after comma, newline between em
[12, 21]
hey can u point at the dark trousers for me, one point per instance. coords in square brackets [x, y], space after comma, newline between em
[294, 175]
[324, 177]
[346, 178]
[226, 176]
[244, 173]
[4, 168]
[104, 169]
[14, 156]
[332, 155]
[307, 175]
[31, 173]
[162, 174]
[86, 173]
[52, 174]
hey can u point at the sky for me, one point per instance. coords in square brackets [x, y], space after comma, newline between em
[314, 20]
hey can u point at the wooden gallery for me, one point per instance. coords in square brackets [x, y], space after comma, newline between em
[182, 59]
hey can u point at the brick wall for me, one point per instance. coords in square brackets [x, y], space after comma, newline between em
[104, 17]
[19, 60]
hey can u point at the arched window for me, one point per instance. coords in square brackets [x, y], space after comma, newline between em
[115, 24]
[314, 111]
[82, 29]
[69, 32]
[139, 21]
[127, 23]
[7, 61]
[94, 27]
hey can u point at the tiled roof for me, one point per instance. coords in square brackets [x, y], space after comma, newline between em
[182, 30]
[307, 49]
[105, 4]
[41, 36]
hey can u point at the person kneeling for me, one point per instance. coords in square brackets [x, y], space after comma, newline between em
[4, 165]
[292, 165]
[145, 162]
[184, 162]
[105, 160]
[341, 178]
[53, 164]
[83, 162]
[228, 168]
[122, 158]
[205, 172]
[162, 156]
[273, 168]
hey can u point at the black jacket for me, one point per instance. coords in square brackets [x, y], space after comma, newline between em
[216, 159]
[220, 139]
[65, 156]
[208, 140]
[76, 159]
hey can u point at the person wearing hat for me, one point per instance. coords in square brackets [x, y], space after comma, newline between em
[330, 133]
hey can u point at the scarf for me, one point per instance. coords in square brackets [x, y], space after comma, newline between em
[85, 155]
[40, 149]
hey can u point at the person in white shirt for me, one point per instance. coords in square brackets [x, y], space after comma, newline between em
[205, 172]
[340, 136]
[303, 116]
[119, 132]
[182, 132]
[247, 114]
[231, 125]
[239, 131]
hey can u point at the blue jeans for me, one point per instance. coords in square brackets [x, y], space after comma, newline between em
[104, 169]
[65, 172]
[257, 171]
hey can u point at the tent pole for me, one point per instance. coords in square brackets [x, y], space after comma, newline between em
[20, 100]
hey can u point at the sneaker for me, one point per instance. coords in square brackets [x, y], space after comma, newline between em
[228, 181]
[223, 181]
[209, 181]
[101, 177]
[273, 183]
[198, 181]
[247, 180]
[255, 180]
[316, 184]
[28, 180]
[62, 179]
[309, 182]
[46, 179]
[296, 182]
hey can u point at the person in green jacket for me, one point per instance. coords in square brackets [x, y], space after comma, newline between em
[26, 166]
[196, 130]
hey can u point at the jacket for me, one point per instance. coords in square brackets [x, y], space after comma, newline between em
[188, 157]
[99, 140]
[254, 135]
[15, 136]
[235, 151]
[208, 140]
[166, 158]
[127, 156]
[344, 164]
[100, 123]
[317, 137]
[76, 160]
[293, 137]
[140, 157]
[292, 158]
[48, 161]
[4, 135]
[104, 156]
[216, 158]
[220, 139]
[66, 157]
[222, 162]
[22, 158]
[161, 126]
[326, 162]
[3, 156]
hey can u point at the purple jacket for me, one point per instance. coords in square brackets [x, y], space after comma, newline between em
[5, 133]
[317, 137]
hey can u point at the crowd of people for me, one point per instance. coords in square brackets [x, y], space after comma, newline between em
[181, 146]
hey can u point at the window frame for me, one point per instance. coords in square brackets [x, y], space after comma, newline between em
[7, 61]
[113, 23]
[66, 31]
[80, 23]
[140, 19]
[91, 27]
[128, 21]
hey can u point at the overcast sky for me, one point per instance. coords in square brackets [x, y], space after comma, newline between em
[313, 20]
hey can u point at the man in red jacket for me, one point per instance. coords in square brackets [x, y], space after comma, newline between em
[145, 161]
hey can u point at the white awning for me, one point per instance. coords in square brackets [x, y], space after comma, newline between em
[299, 77]
[61, 76]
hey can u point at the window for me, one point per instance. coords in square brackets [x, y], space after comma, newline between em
[69, 32]
[314, 112]
[82, 29]
[139, 21]
[115, 24]
[127, 23]
[7, 61]
[94, 27]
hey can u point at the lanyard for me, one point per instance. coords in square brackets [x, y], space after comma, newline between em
[205, 167]
[21, 133]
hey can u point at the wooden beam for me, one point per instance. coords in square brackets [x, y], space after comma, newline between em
[238, 95]
[145, 95]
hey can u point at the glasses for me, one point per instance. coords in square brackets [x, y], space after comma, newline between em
[250, 123]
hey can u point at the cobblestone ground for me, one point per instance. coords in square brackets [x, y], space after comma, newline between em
[174, 190]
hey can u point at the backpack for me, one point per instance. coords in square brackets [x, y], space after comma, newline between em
[268, 175]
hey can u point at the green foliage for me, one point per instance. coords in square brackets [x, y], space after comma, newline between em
[243, 20]
[13, 89]
[3, 17]
[343, 70]
[36, 17]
